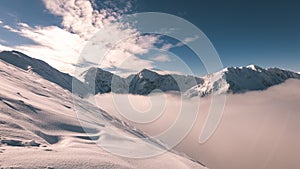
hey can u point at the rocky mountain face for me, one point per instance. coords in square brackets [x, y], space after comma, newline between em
[101, 81]
[142, 83]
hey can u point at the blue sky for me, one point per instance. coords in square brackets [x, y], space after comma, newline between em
[266, 33]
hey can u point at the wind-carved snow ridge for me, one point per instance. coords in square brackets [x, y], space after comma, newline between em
[240, 80]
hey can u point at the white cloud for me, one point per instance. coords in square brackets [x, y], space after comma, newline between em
[167, 46]
[2, 41]
[123, 55]
[4, 48]
[9, 28]
[78, 16]
[187, 40]
[162, 58]
[61, 47]
[166, 72]
[190, 39]
[268, 125]
[54, 45]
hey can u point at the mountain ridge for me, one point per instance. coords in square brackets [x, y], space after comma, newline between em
[99, 81]
[240, 80]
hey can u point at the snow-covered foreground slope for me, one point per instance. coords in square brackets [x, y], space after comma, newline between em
[43, 69]
[240, 80]
[39, 129]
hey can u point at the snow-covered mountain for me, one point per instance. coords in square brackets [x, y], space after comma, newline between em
[101, 81]
[228, 80]
[142, 83]
[43, 69]
[241, 79]
[96, 80]
[39, 127]
[147, 81]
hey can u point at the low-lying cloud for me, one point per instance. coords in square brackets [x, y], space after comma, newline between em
[259, 129]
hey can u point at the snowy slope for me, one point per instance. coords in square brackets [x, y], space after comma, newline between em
[39, 129]
[240, 80]
[43, 69]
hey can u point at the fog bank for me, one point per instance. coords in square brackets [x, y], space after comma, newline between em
[258, 129]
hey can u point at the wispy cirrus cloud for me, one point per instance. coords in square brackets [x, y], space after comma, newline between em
[187, 40]
[162, 58]
[82, 19]
[62, 46]
[52, 44]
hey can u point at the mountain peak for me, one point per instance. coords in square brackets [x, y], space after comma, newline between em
[254, 67]
[251, 67]
[146, 73]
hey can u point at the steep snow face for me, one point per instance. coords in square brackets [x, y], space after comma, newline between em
[241, 79]
[39, 118]
[215, 82]
[254, 68]
[43, 69]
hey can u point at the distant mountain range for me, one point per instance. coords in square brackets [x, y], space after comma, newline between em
[142, 83]
[240, 80]
[98, 81]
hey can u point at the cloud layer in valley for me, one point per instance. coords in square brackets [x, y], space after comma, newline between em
[259, 129]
